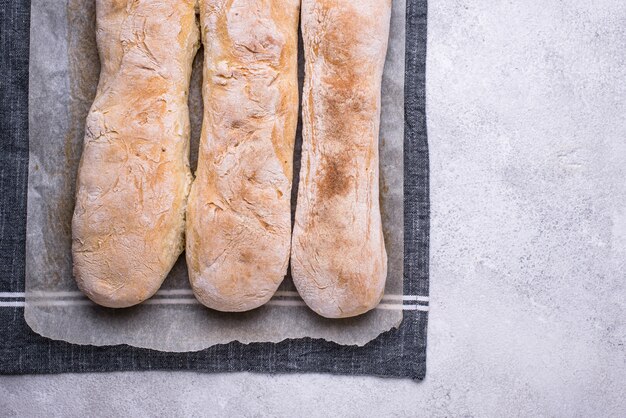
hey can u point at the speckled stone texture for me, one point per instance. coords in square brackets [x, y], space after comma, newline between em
[526, 109]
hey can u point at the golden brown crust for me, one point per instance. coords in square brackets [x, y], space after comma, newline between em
[339, 262]
[134, 173]
[238, 225]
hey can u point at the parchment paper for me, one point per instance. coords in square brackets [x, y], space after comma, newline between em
[64, 69]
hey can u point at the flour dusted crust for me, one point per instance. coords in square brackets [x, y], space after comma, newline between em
[339, 263]
[134, 175]
[238, 219]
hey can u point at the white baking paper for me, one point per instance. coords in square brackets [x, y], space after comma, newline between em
[64, 69]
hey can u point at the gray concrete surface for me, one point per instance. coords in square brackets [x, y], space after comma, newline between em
[527, 114]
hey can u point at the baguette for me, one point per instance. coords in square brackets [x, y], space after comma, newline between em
[339, 262]
[134, 176]
[239, 219]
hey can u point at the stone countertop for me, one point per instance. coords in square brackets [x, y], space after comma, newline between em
[527, 122]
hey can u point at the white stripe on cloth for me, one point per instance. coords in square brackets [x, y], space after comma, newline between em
[12, 295]
[189, 292]
[53, 303]
[45, 299]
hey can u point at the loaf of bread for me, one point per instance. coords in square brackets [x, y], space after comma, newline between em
[134, 174]
[339, 262]
[239, 219]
